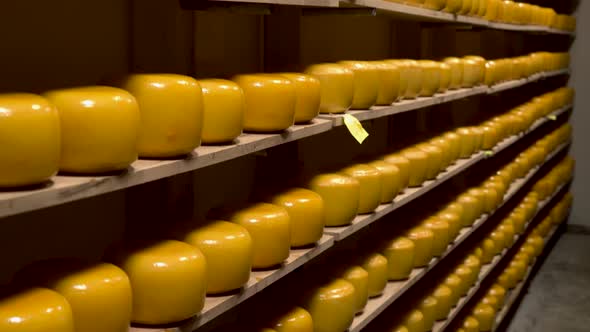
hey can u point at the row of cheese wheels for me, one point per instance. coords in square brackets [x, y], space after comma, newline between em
[101, 129]
[259, 236]
[332, 307]
[482, 315]
[501, 11]
[363, 84]
[464, 276]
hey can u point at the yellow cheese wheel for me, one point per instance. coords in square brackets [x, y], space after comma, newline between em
[499, 240]
[485, 315]
[428, 307]
[435, 159]
[468, 141]
[223, 111]
[400, 258]
[418, 165]
[520, 266]
[359, 278]
[537, 243]
[270, 101]
[452, 219]
[341, 196]
[100, 127]
[306, 215]
[455, 141]
[456, 66]
[270, 228]
[492, 10]
[445, 77]
[414, 321]
[336, 86]
[471, 208]
[296, 320]
[470, 324]
[400, 328]
[376, 266]
[488, 247]
[466, 7]
[455, 284]
[391, 182]
[467, 278]
[171, 109]
[508, 230]
[414, 78]
[445, 146]
[474, 264]
[471, 73]
[35, 310]
[490, 201]
[168, 280]
[332, 306]
[94, 291]
[370, 181]
[492, 301]
[30, 136]
[308, 93]
[498, 292]
[431, 76]
[366, 83]
[389, 82]
[444, 297]
[220, 242]
[453, 6]
[480, 197]
[480, 69]
[403, 165]
[423, 240]
[440, 230]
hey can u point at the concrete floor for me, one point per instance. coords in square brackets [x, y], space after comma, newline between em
[558, 299]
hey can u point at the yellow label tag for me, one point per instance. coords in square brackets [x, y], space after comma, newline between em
[355, 128]
[552, 117]
[488, 153]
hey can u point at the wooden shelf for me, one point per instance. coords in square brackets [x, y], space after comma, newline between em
[441, 326]
[394, 290]
[429, 15]
[451, 95]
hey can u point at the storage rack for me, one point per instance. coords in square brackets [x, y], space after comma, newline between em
[65, 189]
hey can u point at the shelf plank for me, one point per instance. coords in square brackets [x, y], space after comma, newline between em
[306, 3]
[259, 280]
[65, 189]
[394, 290]
[441, 326]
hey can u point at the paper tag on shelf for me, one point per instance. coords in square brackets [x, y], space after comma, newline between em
[552, 117]
[355, 128]
[488, 153]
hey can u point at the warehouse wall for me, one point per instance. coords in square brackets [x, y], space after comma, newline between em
[581, 117]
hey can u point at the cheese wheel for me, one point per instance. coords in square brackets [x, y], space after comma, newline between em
[455, 63]
[370, 181]
[223, 111]
[168, 280]
[431, 76]
[400, 258]
[391, 182]
[306, 215]
[341, 195]
[389, 82]
[336, 86]
[270, 101]
[403, 165]
[428, 307]
[414, 321]
[470, 324]
[359, 278]
[454, 282]
[376, 266]
[423, 240]
[308, 94]
[30, 135]
[435, 159]
[220, 242]
[171, 109]
[269, 226]
[110, 119]
[444, 299]
[440, 230]
[418, 166]
[366, 83]
[332, 306]
[485, 315]
[296, 320]
[35, 310]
